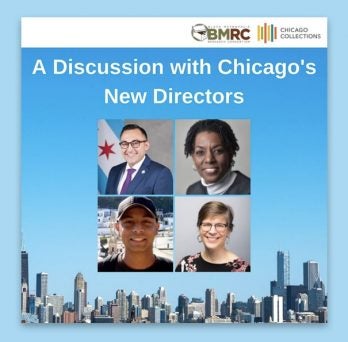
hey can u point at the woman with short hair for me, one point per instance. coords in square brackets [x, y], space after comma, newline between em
[215, 225]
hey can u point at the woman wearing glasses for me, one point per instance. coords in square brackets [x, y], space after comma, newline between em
[213, 146]
[215, 225]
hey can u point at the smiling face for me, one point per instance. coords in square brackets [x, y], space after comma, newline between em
[131, 154]
[137, 229]
[214, 231]
[211, 158]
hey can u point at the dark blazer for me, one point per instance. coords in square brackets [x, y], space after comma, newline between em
[152, 178]
[240, 186]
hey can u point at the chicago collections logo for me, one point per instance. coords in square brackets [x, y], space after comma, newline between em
[267, 33]
[220, 33]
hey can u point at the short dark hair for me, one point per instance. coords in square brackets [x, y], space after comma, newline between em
[133, 126]
[214, 208]
[222, 128]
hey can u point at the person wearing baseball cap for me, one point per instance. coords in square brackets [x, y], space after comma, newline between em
[137, 225]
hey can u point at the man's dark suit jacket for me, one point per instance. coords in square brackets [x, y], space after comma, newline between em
[152, 178]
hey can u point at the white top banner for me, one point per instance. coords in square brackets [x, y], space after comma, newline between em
[220, 32]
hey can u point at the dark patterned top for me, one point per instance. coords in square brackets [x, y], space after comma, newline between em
[115, 263]
[195, 263]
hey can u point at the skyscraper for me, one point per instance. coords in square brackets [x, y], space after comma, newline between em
[25, 269]
[24, 298]
[292, 292]
[230, 299]
[155, 314]
[283, 269]
[121, 300]
[133, 305]
[311, 277]
[24, 281]
[41, 285]
[31, 304]
[254, 306]
[57, 303]
[146, 302]
[98, 302]
[79, 296]
[272, 309]
[162, 295]
[183, 302]
[210, 302]
[301, 302]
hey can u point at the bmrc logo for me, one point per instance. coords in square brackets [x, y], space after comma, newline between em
[199, 32]
[202, 32]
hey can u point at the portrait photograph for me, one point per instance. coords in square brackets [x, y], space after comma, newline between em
[212, 234]
[135, 157]
[213, 157]
[135, 234]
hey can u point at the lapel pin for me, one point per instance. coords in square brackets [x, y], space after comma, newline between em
[143, 172]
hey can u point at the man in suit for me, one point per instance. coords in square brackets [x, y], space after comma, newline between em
[139, 174]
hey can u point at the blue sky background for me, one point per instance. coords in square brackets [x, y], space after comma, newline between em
[10, 183]
[59, 180]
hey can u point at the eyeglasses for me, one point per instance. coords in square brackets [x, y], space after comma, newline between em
[219, 227]
[135, 144]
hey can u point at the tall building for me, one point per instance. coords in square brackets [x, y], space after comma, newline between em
[146, 302]
[42, 285]
[196, 310]
[182, 308]
[311, 274]
[168, 309]
[121, 300]
[98, 302]
[272, 309]
[230, 299]
[155, 314]
[301, 302]
[162, 295]
[257, 310]
[115, 313]
[254, 306]
[163, 316]
[155, 299]
[24, 297]
[316, 297]
[210, 301]
[80, 300]
[133, 305]
[31, 304]
[104, 310]
[273, 287]
[57, 303]
[283, 276]
[283, 269]
[85, 287]
[43, 313]
[25, 271]
[292, 292]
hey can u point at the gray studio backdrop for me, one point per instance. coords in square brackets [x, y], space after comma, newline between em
[159, 133]
[185, 175]
[186, 231]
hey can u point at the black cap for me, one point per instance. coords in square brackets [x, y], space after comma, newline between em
[133, 201]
